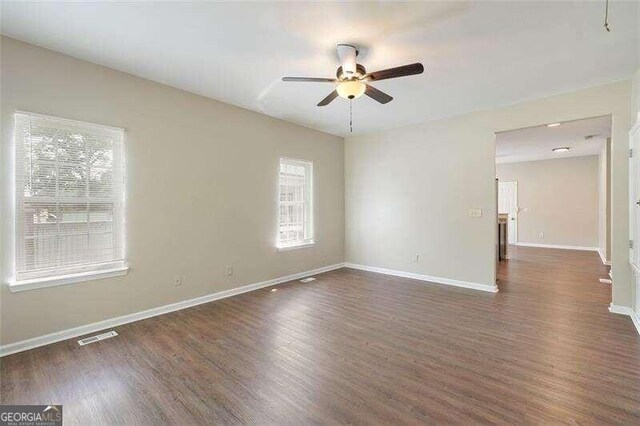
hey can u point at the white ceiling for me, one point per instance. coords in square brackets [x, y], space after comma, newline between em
[478, 55]
[536, 143]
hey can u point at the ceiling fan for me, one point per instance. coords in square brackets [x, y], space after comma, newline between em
[352, 78]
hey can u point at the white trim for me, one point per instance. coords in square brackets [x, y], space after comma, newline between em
[297, 246]
[635, 267]
[636, 320]
[517, 213]
[35, 283]
[438, 280]
[604, 259]
[636, 125]
[623, 310]
[620, 310]
[556, 246]
[137, 316]
[70, 121]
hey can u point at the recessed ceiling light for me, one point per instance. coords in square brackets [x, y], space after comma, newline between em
[561, 149]
[553, 124]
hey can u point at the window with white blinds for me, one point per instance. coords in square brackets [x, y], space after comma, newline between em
[295, 221]
[69, 197]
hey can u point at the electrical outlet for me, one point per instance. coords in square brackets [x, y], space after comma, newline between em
[177, 280]
[541, 235]
[229, 271]
[416, 257]
[475, 213]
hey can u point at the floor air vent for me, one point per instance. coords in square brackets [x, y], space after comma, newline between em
[308, 279]
[92, 339]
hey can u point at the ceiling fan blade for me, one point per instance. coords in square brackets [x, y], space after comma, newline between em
[328, 99]
[402, 71]
[377, 95]
[347, 55]
[311, 79]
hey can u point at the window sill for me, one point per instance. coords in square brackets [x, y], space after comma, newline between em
[36, 283]
[297, 246]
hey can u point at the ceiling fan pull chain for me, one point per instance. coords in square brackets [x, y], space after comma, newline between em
[350, 116]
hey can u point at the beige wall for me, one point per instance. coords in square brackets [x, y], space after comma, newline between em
[201, 190]
[408, 190]
[558, 198]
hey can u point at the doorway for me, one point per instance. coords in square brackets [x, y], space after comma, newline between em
[553, 193]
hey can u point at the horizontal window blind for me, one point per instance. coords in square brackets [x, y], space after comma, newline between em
[295, 224]
[69, 197]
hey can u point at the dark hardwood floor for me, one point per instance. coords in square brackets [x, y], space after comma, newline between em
[358, 347]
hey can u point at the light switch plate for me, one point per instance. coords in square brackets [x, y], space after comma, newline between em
[475, 213]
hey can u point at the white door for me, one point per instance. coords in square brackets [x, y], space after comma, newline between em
[634, 193]
[508, 203]
[634, 209]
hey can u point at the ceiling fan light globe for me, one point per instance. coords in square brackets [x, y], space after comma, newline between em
[351, 89]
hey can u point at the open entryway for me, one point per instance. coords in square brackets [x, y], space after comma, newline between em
[553, 189]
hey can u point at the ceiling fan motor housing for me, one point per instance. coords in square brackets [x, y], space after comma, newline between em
[360, 72]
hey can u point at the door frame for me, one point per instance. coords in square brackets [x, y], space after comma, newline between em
[515, 226]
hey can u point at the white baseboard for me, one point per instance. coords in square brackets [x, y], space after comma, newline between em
[556, 246]
[448, 281]
[635, 317]
[623, 310]
[604, 259]
[137, 316]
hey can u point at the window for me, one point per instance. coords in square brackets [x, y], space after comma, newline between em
[295, 222]
[69, 199]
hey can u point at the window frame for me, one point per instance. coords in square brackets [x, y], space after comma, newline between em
[309, 240]
[69, 274]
